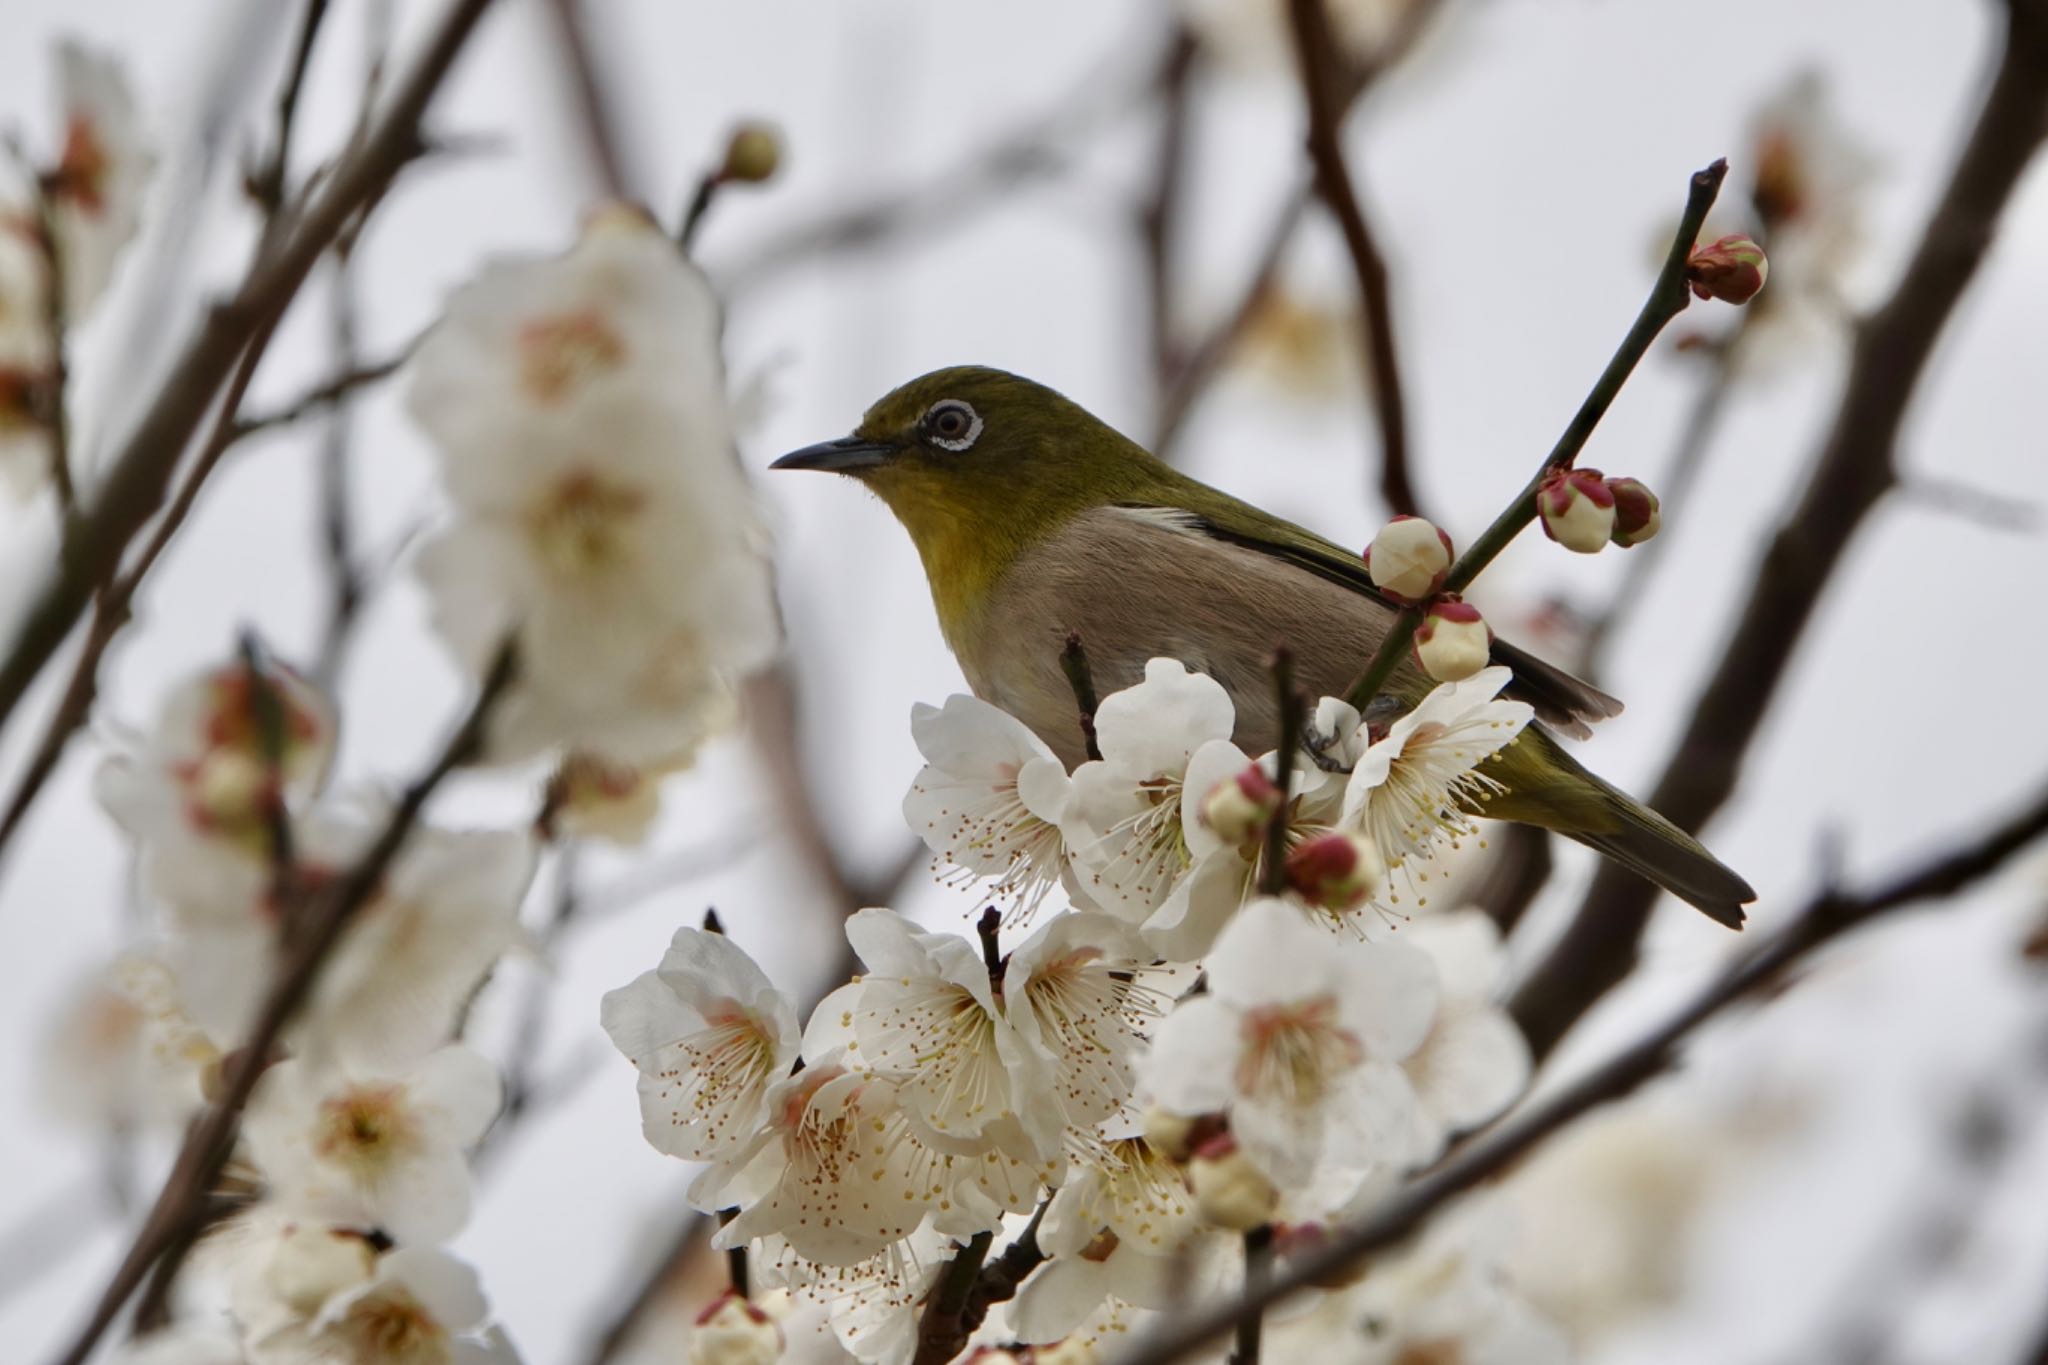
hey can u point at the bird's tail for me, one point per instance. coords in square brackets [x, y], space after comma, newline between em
[1547, 787]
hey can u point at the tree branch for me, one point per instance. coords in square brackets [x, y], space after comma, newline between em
[141, 470]
[307, 937]
[1855, 467]
[1668, 298]
[1321, 65]
[1492, 1152]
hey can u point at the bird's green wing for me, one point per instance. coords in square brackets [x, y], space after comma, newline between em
[1560, 699]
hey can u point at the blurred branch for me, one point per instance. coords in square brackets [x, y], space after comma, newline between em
[692, 1235]
[1159, 216]
[1204, 361]
[1855, 467]
[140, 471]
[1403, 1213]
[1990, 508]
[307, 936]
[267, 183]
[978, 182]
[1322, 64]
[597, 119]
[1520, 869]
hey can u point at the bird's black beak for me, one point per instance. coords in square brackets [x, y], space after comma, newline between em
[846, 455]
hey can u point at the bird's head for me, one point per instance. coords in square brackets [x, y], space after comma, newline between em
[977, 448]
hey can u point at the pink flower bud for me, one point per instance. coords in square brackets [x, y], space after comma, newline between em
[1238, 808]
[1408, 559]
[1334, 871]
[1453, 641]
[1229, 1191]
[1636, 517]
[1577, 508]
[1732, 270]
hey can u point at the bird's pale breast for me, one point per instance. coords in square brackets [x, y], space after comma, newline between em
[1135, 587]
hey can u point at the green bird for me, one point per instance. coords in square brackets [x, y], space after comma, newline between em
[1034, 519]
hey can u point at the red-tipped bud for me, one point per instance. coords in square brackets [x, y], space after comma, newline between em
[735, 1331]
[1334, 871]
[1636, 517]
[1453, 641]
[1408, 559]
[1229, 1191]
[1238, 808]
[1731, 270]
[1577, 508]
[753, 154]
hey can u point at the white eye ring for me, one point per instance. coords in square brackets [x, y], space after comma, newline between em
[950, 407]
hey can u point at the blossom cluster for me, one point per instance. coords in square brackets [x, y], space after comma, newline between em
[603, 534]
[1149, 1056]
[61, 235]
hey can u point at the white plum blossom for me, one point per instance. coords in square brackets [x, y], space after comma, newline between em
[927, 1013]
[832, 1171]
[1410, 789]
[1080, 992]
[122, 1054]
[990, 800]
[1125, 822]
[710, 1034]
[418, 1306]
[1299, 1042]
[735, 1331]
[1474, 1062]
[579, 409]
[1447, 1298]
[97, 185]
[374, 1149]
[1122, 1228]
[591, 797]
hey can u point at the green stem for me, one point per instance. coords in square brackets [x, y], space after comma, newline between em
[1668, 297]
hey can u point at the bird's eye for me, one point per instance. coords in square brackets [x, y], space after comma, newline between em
[952, 425]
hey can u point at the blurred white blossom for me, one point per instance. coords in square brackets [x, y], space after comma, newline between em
[579, 409]
[97, 185]
[374, 1149]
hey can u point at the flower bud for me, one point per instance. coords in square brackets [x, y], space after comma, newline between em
[733, 1331]
[1408, 559]
[1229, 1191]
[753, 154]
[1334, 871]
[1732, 270]
[1238, 808]
[231, 791]
[313, 1264]
[1577, 508]
[1453, 642]
[1636, 517]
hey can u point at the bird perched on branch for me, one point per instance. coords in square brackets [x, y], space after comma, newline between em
[1034, 519]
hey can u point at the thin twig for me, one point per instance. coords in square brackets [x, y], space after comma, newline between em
[595, 116]
[1668, 298]
[1273, 874]
[1074, 663]
[326, 395]
[311, 935]
[141, 470]
[1404, 1212]
[1854, 468]
[55, 395]
[268, 184]
[1159, 216]
[1321, 64]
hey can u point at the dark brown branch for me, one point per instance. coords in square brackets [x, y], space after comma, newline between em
[1855, 468]
[1074, 663]
[269, 183]
[326, 395]
[310, 934]
[1273, 875]
[943, 1331]
[1322, 65]
[141, 469]
[1493, 1152]
[1519, 870]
